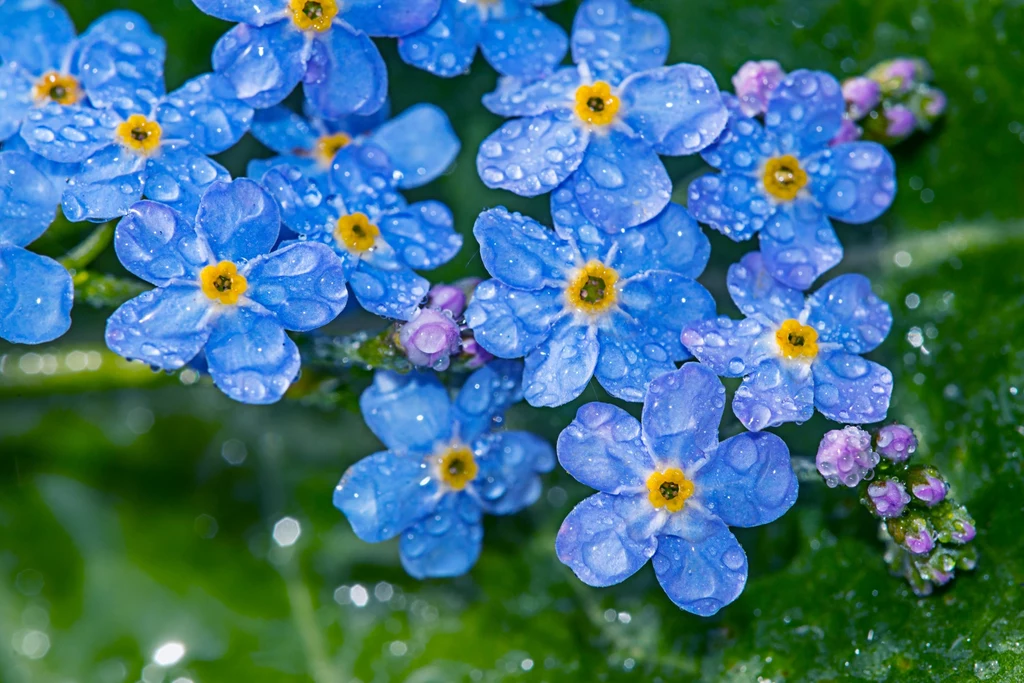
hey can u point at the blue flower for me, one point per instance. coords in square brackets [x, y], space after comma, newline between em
[600, 126]
[379, 237]
[578, 303]
[668, 490]
[446, 464]
[221, 289]
[514, 38]
[782, 179]
[36, 292]
[796, 355]
[407, 151]
[323, 43]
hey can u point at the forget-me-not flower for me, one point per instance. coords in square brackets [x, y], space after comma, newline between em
[323, 43]
[220, 289]
[668, 491]
[36, 292]
[578, 303]
[515, 38]
[599, 126]
[408, 150]
[784, 180]
[445, 466]
[796, 355]
[379, 237]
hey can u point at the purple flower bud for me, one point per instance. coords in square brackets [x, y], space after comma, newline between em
[861, 95]
[476, 354]
[887, 498]
[896, 442]
[917, 537]
[449, 298]
[754, 84]
[848, 132]
[430, 338]
[845, 456]
[933, 103]
[927, 486]
[900, 122]
[964, 533]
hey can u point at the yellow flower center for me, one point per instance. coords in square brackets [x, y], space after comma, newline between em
[796, 340]
[313, 14]
[329, 145]
[592, 288]
[139, 134]
[784, 178]
[596, 104]
[60, 88]
[221, 282]
[669, 489]
[457, 467]
[356, 233]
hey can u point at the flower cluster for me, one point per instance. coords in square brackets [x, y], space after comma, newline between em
[610, 291]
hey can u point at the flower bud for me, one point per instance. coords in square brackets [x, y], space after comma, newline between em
[900, 122]
[862, 95]
[476, 355]
[848, 132]
[430, 338]
[449, 298]
[887, 498]
[754, 84]
[895, 442]
[927, 485]
[899, 76]
[845, 456]
[913, 532]
[933, 103]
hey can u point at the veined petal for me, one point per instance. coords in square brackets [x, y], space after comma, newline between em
[731, 348]
[603, 449]
[419, 142]
[407, 412]
[263, 63]
[36, 299]
[423, 235]
[302, 283]
[253, 12]
[445, 47]
[18, 87]
[671, 242]
[345, 75]
[250, 356]
[390, 18]
[445, 544]
[756, 292]
[164, 327]
[105, 186]
[35, 35]
[682, 412]
[629, 360]
[69, 134]
[121, 63]
[560, 367]
[663, 303]
[529, 97]
[284, 131]
[206, 113]
[157, 244]
[743, 145]
[851, 390]
[846, 311]
[805, 111]
[304, 208]
[180, 175]
[482, 401]
[855, 182]
[798, 245]
[238, 219]
[732, 203]
[27, 199]
[508, 480]
[510, 323]
[776, 392]
[616, 39]
[365, 178]
[521, 252]
[527, 44]
[391, 291]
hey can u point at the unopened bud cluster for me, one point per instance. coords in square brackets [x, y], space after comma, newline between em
[437, 332]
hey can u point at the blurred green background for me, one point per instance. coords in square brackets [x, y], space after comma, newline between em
[139, 511]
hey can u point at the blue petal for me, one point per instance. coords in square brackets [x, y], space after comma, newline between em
[699, 563]
[57, 173]
[482, 401]
[606, 539]
[621, 182]
[855, 182]
[534, 155]
[410, 411]
[158, 244]
[423, 235]
[105, 186]
[846, 311]
[776, 392]
[682, 412]
[731, 348]
[28, 199]
[302, 283]
[250, 356]
[526, 97]
[510, 323]
[69, 134]
[731, 203]
[121, 63]
[17, 86]
[615, 39]
[742, 147]
[851, 390]
[756, 292]
[239, 220]
[446, 46]
[672, 241]
[507, 481]
[521, 252]
[602, 448]
[206, 113]
[264, 64]
[419, 142]
[445, 544]
[559, 368]
[384, 494]
[304, 209]
[35, 301]
[345, 75]
[390, 18]
[284, 131]
[748, 481]
[805, 111]
[676, 109]
[798, 245]
[528, 45]
[354, 124]
[392, 292]
[35, 35]
[254, 12]
[366, 179]
[628, 361]
[180, 175]
[164, 327]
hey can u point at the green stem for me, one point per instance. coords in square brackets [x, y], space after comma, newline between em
[100, 290]
[89, 249]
